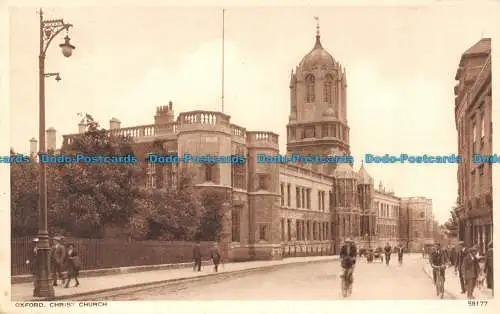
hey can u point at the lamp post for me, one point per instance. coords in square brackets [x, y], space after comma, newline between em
[49, 29]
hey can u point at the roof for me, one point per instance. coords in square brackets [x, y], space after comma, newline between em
[364, 176]
[482, 47]
[318, 56]
[344, 171]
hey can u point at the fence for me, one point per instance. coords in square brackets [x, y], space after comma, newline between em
[109, 253]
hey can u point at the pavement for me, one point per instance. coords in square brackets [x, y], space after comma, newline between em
[452, 285]
[129, 280]
[304, 281]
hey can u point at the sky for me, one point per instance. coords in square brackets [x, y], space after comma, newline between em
[400, 64]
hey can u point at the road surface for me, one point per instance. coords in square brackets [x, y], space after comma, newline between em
[315, 281]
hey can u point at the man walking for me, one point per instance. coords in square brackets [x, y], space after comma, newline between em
[458, 265]
[470, 270]
[58, 257]
[400, 250]
[488, 267]
[216, 256]
[197, 256]
[387, 251]
[34, 261]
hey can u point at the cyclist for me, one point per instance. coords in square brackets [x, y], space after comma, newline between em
[438, 262]
[348, 256]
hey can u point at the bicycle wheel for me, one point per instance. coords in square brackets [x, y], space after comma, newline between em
[343, 285]
[440, 286]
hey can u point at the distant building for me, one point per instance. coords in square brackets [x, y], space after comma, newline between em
[473, 119]
[277, 210]
[418, 230]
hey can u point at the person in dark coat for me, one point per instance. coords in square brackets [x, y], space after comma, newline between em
[57, 259]
[461, 251]
[453, 255]
[197, 256]
[470, 270]
[437, 259]
[400, 250]
[73, 263]
[387, 252]
[488, 267]
[216, 257]
[34, 261]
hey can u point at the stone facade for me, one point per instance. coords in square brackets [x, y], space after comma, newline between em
[275, 210]
[418, 225]
[473, 119]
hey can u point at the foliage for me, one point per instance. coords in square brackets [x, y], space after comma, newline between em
[83, 199]
[451, 226]
[211, 225]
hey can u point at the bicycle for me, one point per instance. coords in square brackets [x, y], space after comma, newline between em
[346, 283]
[439, 280]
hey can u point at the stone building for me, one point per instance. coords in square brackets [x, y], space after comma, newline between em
[473, 120]
[275, 210]
[419, 222]
[387, 206]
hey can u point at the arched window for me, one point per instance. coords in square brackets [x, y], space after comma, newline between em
[310, 95]
[327, 89]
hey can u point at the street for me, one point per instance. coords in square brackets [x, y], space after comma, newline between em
[318, 281]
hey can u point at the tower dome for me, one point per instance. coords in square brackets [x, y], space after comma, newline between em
[344, 171]
[318, 56]
[364, 176]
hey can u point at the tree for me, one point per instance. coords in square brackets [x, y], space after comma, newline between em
[24, 198]
[451, 226]
[211, 225]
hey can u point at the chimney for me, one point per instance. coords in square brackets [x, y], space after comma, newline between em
[114, 124]
[81, 127]
[51, 139]
[33, 147]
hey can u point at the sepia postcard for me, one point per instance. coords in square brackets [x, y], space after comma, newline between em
[253, 154]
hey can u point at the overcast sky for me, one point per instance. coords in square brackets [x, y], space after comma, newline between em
[400, 65]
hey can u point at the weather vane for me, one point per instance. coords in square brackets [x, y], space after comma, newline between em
[317, 25]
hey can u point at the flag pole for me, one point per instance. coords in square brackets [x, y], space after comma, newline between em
[223, 13]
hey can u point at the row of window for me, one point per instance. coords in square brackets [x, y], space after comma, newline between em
[306, 230]
[333, 130]
[169, 175]
[387, 230]
[302, 197]
[329, 89]
[387, 210]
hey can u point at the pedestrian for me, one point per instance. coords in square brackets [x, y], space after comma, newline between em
[58, 257]
[73, 263]
[216, 257]
[400, 251]
[34, 261]
[437, 260]
[197, 256]
[488, 267]
[453, 255]
[461, 251]
[470, 270]
[387, 251]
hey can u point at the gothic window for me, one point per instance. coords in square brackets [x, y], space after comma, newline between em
[297, 230]
[235, 224]
[282, 229]
[263, 178]
[282, 186]
[288, 194]
[474, 136]
[263, 232]
[289, 229]
[209, 172]
[310, 95]
[483, 125]
[298, 195]
[327, 89]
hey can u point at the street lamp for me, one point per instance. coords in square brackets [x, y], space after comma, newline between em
[49, 29]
